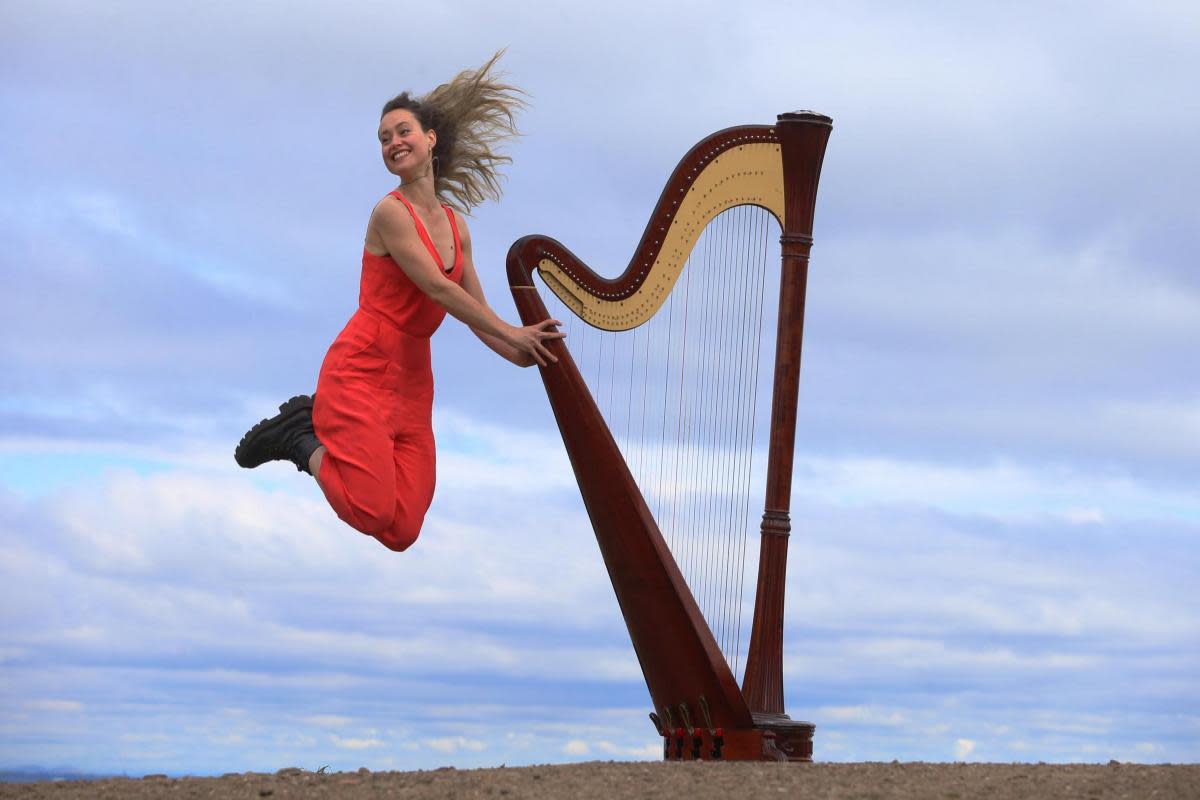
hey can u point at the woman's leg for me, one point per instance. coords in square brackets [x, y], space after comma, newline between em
[415, 476]
[314, 463]
[356, 471]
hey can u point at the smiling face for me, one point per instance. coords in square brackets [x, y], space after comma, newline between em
[406, 147]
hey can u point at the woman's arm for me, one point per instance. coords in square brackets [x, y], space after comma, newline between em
[395, 229]
[472, 286]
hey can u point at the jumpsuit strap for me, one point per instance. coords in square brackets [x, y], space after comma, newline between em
[424, 234]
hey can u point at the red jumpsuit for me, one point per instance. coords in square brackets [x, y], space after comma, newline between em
[374, 401]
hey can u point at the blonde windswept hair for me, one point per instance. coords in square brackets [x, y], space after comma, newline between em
[472, 114]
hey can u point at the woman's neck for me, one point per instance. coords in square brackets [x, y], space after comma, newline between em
[419, 192]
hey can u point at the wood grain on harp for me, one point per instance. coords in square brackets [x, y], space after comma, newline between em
[691, 300]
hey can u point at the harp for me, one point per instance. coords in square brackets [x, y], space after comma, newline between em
[772, 171]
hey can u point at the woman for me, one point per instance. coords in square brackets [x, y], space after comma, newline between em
[366, 435]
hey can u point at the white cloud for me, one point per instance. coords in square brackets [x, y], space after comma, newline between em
[329, 720]
[453, 744]
[963, 748]
[356, 744]
[54, 705]
[863, 715]
[1084, 516]
[650, 750]
[1003, 488]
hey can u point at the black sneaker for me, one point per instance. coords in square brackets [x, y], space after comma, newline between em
[287, 436]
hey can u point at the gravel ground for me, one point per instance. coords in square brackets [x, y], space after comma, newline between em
[695, 781]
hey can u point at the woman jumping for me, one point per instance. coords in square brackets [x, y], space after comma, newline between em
[366, 435]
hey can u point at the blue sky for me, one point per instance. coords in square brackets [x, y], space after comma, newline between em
[996, 524]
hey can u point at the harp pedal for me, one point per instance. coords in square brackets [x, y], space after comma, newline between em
[716, 734]
[670, 729]
[692, 733]
[663, 732]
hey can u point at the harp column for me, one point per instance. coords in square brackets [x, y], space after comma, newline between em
[803, 136]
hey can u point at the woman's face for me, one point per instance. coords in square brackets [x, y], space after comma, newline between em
[404, 144]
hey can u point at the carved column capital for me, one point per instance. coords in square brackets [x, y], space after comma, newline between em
[776, 523]
[795, 247]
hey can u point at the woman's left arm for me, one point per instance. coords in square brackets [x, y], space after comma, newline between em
[472, 286]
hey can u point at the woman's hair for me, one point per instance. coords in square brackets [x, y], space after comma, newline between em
[472, 113]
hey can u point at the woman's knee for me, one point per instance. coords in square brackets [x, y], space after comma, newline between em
[375, 519]
[362, 499]
[400, 535]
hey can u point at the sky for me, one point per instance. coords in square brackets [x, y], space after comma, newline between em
[996, 527]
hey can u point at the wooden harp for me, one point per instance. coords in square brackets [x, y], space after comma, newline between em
[699, 709]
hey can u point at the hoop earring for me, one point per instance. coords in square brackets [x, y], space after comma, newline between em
[433, 162]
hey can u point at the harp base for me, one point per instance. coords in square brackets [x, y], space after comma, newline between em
[774, 737]
[793, 738]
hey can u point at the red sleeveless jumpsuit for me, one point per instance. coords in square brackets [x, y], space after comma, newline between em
[374, 402]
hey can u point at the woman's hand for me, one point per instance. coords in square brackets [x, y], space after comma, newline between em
[530, 341]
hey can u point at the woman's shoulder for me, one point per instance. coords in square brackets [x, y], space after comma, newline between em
[390, 202]
[389, 213]
[388, 218]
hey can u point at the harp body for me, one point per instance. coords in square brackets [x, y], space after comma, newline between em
[699, 709]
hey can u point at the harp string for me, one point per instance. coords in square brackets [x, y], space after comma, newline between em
[724, 367]
[681, 396]
[729, 432]
[691, 398]
[703, 393]
[750, 287]
[721, 283]
[680, 415]
[765, 258]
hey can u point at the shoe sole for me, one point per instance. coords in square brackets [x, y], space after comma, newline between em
[242, 453]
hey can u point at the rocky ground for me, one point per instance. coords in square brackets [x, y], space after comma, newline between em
[694, 781]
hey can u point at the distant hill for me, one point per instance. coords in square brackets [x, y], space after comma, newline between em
[35, 774]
